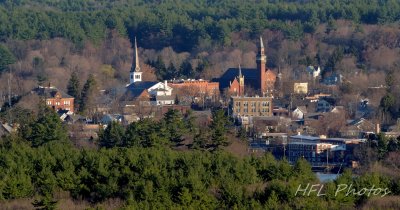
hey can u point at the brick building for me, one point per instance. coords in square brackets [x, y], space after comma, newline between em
[260, 78]
[236, 87]
[193, 87]
[55, 98]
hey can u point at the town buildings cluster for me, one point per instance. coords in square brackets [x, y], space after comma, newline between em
[295, 122]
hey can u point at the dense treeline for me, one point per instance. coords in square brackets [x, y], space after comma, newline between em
[138, 165]
[163, 178]
[181, 24]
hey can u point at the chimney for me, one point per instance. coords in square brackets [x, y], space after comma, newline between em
[378, 128]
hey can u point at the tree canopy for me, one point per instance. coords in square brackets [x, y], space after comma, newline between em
[182, 24]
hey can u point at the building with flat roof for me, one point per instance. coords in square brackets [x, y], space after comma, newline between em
[251, 106]
[194, 87]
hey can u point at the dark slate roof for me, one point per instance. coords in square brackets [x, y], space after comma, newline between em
[251, 77]
[141, 85]
[135, 89]
[132, 94]
[50, 92]
[330, 100]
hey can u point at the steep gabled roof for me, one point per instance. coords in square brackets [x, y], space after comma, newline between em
[141, 85]
[251, 77]
[50, 92]
[303, 109]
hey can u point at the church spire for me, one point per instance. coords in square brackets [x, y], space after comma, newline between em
[261, 60]
[241, 82]
[262, 49]
[135, 74]
[137, 66]
[240, 71]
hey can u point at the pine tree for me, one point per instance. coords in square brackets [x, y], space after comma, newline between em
[219, 129]
[73, 87]
[87, 95]
[6, 58]
[161, 70]
[48, 127]
[200, 140]
[171, 72]
[175, 125]
[186, 69]
[112, 136]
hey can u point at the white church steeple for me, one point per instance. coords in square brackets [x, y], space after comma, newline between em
[135, 74]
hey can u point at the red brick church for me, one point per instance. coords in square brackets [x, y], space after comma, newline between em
[261, 79]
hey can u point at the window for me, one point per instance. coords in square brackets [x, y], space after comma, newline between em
[245, 103]
[137, 76]
[67, 103]
[237, 103]
[57, 103]
[253, 110]
[245, 110]
[48, 102]
[253, 104]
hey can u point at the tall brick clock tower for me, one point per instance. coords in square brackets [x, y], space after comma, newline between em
[261, 67]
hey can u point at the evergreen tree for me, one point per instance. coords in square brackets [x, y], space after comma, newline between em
[200, 140]
[186, 69]
[48, 127]
[112, 136]
[219, 129]
[172, 73]
[387, 103]
[73, 87]
[175, 125]
[331, 26]
[88, 93]
[242, 133]
[145, 133]
[6, 58]
[161, 70]
[190, 121]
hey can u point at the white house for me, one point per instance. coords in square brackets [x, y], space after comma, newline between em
[159, 93]
[299, 112]
[314, 71]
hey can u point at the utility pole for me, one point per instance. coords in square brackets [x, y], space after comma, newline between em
[9, 97]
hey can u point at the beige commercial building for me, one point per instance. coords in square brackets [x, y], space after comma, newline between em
[251, 106]
[300, 87]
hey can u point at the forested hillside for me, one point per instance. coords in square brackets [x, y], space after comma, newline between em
[139, 166]
[181, 24]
